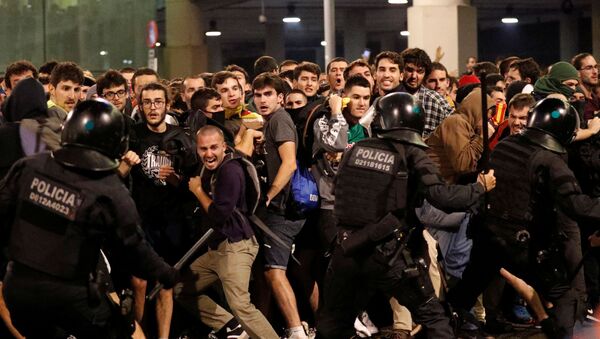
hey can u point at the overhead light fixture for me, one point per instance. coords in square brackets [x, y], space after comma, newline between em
[509, 18]
[212, 29]
[158, 44]
[323, 43]
[398, 2]
[103, 53]
[262, 18]
[291, 17]
[404, 33]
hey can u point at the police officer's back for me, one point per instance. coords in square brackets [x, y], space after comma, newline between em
[379, 243]
[60, 209]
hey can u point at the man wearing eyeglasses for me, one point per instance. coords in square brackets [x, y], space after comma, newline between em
[157, 190]
[586, 65]
[112, 86]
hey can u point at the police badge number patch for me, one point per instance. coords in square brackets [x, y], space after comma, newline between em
[373, 159]
[54, 197]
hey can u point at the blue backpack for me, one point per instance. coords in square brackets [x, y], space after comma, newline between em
[304, 194]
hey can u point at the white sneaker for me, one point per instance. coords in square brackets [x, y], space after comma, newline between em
[364, 326]
[311, 332]
[295, 335]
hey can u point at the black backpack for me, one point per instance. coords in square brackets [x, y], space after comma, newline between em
[253, 197]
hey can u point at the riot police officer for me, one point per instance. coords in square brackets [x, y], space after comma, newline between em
[60, 209]
[380, 243]
[528, 227]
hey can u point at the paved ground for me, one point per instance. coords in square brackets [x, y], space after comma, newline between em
[587, 330]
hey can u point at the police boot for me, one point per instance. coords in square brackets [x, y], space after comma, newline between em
[466, 326]
[496, 324]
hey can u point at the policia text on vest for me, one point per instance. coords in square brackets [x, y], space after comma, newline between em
[54, 197]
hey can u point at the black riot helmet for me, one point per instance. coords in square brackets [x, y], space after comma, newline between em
[94, 137]
[399, 117]
[552, 124]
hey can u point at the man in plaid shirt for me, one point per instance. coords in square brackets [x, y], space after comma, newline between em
[417, 65]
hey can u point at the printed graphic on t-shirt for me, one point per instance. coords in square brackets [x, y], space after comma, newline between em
[152, 160]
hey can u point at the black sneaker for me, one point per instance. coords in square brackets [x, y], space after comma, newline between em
[497, 325]
[467, 326]
[229, 333]
[236, 333]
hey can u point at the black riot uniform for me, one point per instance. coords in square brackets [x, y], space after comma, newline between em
[529, 228]
[379, 243]
[60, 209]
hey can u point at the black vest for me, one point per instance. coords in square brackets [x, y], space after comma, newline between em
[57, 210]
[511, 199]
[372, 181]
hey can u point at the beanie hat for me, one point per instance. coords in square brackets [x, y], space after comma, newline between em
[562, 71]
[468, 79]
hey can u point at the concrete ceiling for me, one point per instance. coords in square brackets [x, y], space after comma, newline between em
[238, 19]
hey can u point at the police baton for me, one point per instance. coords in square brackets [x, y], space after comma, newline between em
[183, 260]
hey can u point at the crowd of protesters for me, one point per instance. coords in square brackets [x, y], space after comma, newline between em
[292, 116]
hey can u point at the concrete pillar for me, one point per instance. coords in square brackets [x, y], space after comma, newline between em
[186, 51]
[451, 24]
[355, 36]
[329, 25]
[569, 36]
[596, 29]
[275, 40]
[215, 54]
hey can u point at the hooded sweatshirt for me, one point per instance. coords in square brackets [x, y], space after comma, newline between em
[456, 144]
[25, 111]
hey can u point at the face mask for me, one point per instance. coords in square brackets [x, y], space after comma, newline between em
[294, 112]
[218, 116]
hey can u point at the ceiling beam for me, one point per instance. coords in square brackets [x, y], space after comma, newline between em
[212, 5]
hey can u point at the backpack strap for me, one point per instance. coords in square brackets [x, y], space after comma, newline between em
[249, 172]
[31, 142]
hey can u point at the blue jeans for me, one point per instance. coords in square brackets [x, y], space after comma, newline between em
[450, 231]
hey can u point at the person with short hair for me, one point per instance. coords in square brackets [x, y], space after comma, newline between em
[16, 71]
[265, 64]
[388, 73]
[140, 78]
[44, 73]
[306, 79]
[416, 65]
[221, 192]
[360, 67]
[279, 157]
[156, 176]
[525, 70]
[191, 84]
[65, 85]
[287, 65]
[294, 100]
[588, 69]
[518, 112]
[207, 109]
[335, 74]
[112, 86]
